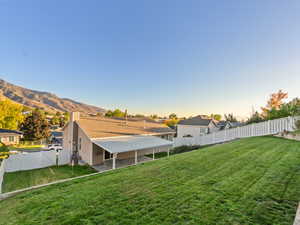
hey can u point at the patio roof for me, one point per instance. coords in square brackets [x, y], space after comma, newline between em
[131, 143]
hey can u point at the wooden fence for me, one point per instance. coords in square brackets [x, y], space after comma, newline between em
[269, 127]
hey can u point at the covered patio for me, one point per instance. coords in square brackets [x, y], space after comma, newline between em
[129, 150]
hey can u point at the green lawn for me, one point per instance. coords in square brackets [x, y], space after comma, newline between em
[297, 132]
[249, 181]
[23, 179]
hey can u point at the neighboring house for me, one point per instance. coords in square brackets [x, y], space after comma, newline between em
[196, 126]
[99, 139]
[224, 125]
[228, 125]
[57, 137]
[10, 137]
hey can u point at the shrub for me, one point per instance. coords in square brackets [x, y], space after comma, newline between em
[3, 147]
[184, 148]
[3, 150]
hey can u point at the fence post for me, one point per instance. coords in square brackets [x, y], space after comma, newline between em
[269, 126]
[290, 123]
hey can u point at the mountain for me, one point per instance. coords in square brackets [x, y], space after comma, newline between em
[44, 100]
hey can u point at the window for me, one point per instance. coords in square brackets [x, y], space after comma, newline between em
[203, 130]
[11, 138]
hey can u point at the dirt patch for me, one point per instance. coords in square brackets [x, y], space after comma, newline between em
[291, 136]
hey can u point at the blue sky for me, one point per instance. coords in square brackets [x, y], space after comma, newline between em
[159, 56]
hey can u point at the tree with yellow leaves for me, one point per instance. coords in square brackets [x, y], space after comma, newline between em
[11, 115]
[275, 102]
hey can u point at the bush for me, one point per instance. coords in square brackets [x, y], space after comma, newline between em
[184, 148]
[3, 147]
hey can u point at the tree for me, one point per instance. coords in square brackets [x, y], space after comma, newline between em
[55, 120]
[230, 117]
[171, 122]
[35, 126]
[173, 116]
[216, 117]
[64, 119]
[58, 114]
[154, 116]
[287, 109]
[255, 118]
[11, 114]
[139, 116]
[275, 102]
[99, 114]
[115, 113]
[296, 103]
[4, 151]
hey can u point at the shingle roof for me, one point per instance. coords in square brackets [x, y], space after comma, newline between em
[222, 124]
[196, 121]
[109, 127]
[10, 131]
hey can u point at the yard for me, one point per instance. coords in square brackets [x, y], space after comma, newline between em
[23, 179]
[249, 181]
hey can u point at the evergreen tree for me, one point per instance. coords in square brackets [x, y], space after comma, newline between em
[36, 126]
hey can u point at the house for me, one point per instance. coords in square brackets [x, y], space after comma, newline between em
[196, 126]
[100, 139]
[10, 137]
[224, 125]
[56, 137]
[228, 125]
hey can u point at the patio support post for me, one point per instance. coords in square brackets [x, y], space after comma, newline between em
[153, 154]
[114, 161]
[136, 158]
[168, 152]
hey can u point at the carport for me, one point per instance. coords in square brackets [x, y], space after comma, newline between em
[137, 144]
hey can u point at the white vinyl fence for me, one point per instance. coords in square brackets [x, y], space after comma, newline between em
[2, 170]
[35, 160]
[269, 127]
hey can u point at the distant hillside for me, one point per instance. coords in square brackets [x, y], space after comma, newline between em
[44, 100]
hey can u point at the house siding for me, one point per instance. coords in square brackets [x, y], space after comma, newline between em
[68, 137]
[97, 157]
[5, 139]
[85, 146]
[195, 131]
